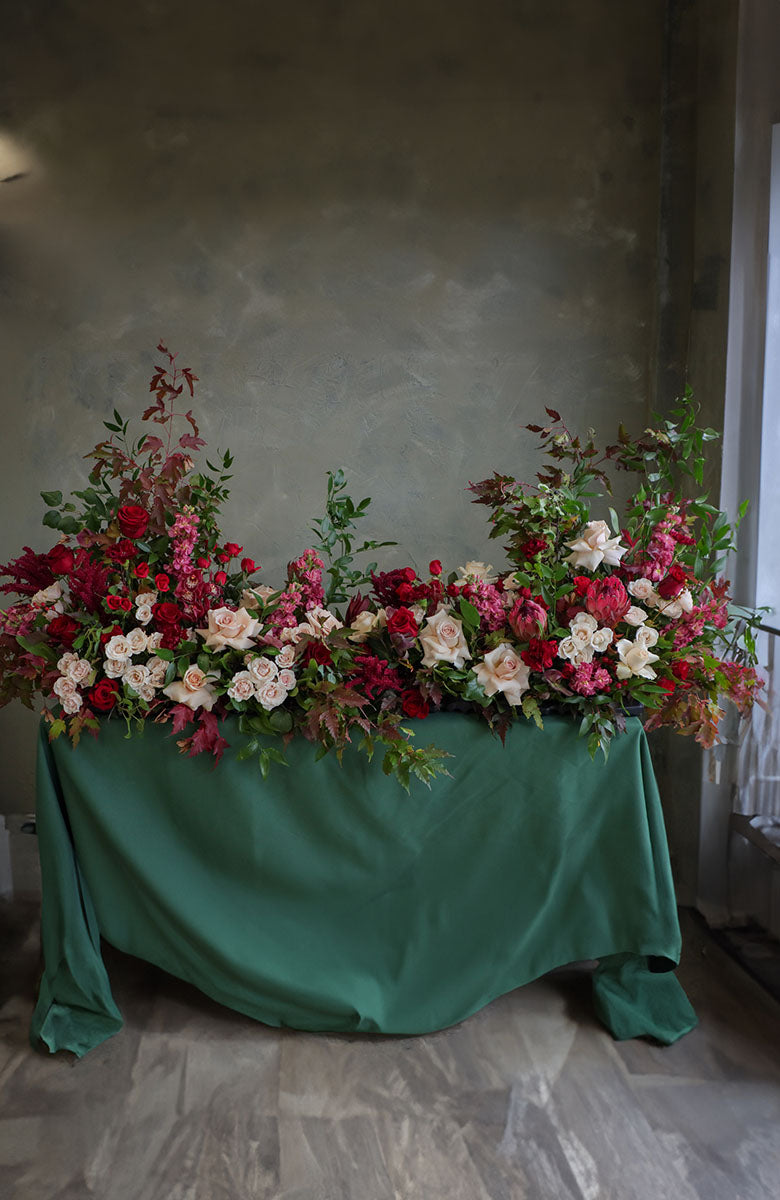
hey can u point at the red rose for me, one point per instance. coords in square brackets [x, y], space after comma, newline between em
[405, 592]
[232, 549]
[162, 583]
[402, 621]
[167, 613]
[63, 630]
[681, 669]
[220, 578]
[203, 563]
[668, 685]
[60, 559]
[673, 584]
[223, 558]
[248, 566]
[133, 520]
[581, 584]
[103, 695]
[121, 551]
[142, 570]
[409, 574]
[414, 705]
[114, 603]
[434, 566]
[319, 652]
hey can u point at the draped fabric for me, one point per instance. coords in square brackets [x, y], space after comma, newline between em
[326, 898]
[758, 757]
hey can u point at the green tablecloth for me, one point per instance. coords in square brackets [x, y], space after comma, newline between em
[327, 899]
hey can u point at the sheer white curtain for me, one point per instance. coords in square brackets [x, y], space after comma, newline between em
[758, 758]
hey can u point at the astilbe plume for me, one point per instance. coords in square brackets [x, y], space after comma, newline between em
[29, 573]
[88, 582]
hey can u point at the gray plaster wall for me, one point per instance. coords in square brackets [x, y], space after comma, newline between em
[383, 236]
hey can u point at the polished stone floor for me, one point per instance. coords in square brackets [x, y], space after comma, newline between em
[529, 1098]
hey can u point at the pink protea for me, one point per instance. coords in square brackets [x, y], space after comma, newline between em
[528, 618]
[607, 600]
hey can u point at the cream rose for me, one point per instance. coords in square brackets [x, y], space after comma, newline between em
[194, 689]
[635, 616]
[242, 687]
[143, 614]
[154, 641]
[502, 670]
[64, 687]
[64, 662]
[675, 608]
[252, 597]
[643, 589]
[261, 669]
[118, 647]
[442, 640]
[49, 596]
[158, 669]
[287, 679]
[271, 694]
[634, 660]
[568, 648]
[144, 598]
[646, 636]
[71, 703]
[135, 677]
[115, 668]
[285, 657]
[475, 570]
[294, 635]
[322, 621]
[362, 626]
[230, 627]
[594, 546]
[136, 640]
[146, 692]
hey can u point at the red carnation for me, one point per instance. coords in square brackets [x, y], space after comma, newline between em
[133, 520]
[681, 668]
[121, 551]
[540, 655]
[141, 570]
[607, 600]
[63, 629]
[434, 566]
[60, 559]
[103, 696]
[673, 584]
[402, 622]
[581, 584]
[248, 566]
[414, 705]
[162, 582]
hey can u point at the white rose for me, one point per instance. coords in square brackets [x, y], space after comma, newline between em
[115, 668]
[250, 596]
[293, 636]
[242, 687]
[646, 636]
[442, 640]
[154, 641]
[581, 637]
[48, 595]
[80, 670]
[644, 590]
[635, 616]
[584, 620]
[634, 660]
[502, 670]
[285, 657]
[64, 662]
[362, 626]
[143, 614]
[261, 669]
[194, 690]
[118, 647]
[476, 570]
[71, 703]
[146, 692]
[136, 676]
[271, 694]
[229, 627]
[64, 687]
[287, 678]
[322, 621]
[601, 639]
[145, 598]
[675, 608]
[594, 546]
[136, 640]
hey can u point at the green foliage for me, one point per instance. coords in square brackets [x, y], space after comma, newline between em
[334, 534]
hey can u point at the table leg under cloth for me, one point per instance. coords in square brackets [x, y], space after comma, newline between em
[327, 899]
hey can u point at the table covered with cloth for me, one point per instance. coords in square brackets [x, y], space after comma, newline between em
[326, 898]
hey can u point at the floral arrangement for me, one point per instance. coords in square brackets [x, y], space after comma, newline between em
[142, 610]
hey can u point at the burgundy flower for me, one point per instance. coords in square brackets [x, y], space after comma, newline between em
[386, 584]
[162, 582]
[540, 655]
[673, 584]
[103, 696]
[414, 705]
[532, 547]
[248, 566]
[607, 600]
[403, 622]
[434, 566]
[141, 571]
[133, 520]
[63, 630]
[166, 613]
[121, 551]
[319, 652]
[357, 605]
[60, 558]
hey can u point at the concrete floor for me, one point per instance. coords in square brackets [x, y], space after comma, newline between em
[529, 1098]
